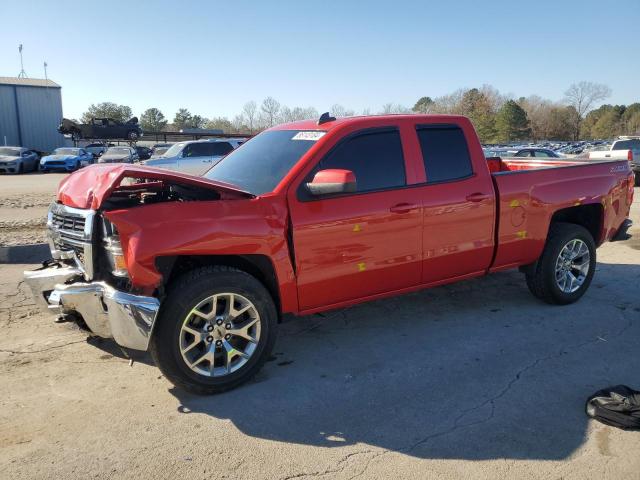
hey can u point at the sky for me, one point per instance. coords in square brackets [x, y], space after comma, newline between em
[212, 57]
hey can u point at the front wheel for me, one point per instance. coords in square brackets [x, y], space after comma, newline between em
[565, 269]
[132, 135]
[216, 330]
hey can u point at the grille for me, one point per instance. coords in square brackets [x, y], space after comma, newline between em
[70, 236]
[63, 221]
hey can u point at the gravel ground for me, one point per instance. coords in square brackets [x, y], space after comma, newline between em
[473, 380]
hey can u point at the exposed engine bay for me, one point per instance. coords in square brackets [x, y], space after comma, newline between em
[140, 192]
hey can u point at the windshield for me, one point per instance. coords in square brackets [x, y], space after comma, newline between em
[66, 151]
[262, 162]
[14, 152]
[119, 150]
[174, 150]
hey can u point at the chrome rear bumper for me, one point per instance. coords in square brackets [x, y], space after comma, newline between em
[108, 312]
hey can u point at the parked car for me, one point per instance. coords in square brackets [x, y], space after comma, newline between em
[119, 154]
[159, 149]
[308, 217]
[144, 153]
[96, 149]
[195, 157]
[102, 128]
[66, 158]
[18, 160]
[624, 147]
[537, 153]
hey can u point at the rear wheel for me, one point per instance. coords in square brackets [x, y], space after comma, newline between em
[565, 269]
[216, 331]
[637, 179]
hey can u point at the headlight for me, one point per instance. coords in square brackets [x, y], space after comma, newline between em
[113, 249]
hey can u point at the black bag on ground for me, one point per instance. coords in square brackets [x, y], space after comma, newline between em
[617, 406]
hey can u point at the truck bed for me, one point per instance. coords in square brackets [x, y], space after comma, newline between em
[530, 192]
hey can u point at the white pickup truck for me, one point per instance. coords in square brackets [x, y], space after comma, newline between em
[623, 147]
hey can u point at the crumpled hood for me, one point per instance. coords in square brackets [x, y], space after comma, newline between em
[59, 157]
[89, 187]
[8, 158]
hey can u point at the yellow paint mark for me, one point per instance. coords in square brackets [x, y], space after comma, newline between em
[356, 227]
[514, 203]
[522, 234]
[362, 267]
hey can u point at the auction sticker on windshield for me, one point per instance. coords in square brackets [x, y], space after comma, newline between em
[311, 136]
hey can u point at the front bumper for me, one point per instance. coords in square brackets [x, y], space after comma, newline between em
[109, 313]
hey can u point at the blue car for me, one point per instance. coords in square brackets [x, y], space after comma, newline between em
[66, 158]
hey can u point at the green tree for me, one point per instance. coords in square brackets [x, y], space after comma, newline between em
[182, 119]
[608, 125]
[424, 105]
[511, 123]
[631, 120]
[477, 106]
[152, 120]
[120, 113]
[197, 121]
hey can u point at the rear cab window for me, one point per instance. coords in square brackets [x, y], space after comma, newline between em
[444, 152]
[374, 156]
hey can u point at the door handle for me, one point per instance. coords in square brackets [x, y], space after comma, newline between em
[403, 208]
[477, 197]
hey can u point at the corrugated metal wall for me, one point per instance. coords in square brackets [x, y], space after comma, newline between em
[8, 124]
[39, 111]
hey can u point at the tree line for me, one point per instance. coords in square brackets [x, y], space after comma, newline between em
[498, 118]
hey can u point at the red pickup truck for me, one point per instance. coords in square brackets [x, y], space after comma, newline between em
[311, 216]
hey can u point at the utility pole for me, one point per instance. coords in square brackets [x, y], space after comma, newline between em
[22, 73]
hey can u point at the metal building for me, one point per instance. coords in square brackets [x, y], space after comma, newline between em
[30, 112]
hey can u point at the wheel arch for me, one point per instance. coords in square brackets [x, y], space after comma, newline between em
[589, 216]
[258, 266]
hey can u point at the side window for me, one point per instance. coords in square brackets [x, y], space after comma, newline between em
[444, 152]
[374, 157]
[541, 153]
[200, 150]
[220, 148]
[524, 153]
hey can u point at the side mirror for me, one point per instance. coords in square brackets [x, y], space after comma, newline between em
[332, 181]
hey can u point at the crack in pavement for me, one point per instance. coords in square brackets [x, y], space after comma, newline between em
[44, 349]
[456, 423]
[328, 471]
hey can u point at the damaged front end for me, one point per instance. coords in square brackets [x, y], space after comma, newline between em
[87, 278]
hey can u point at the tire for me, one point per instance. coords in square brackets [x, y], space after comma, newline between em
[542, 277]
[637, 179]
[170, 344]
[132, 135]
[21, 168]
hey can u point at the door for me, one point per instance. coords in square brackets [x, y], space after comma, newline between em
[458, 203]
[363, 243]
